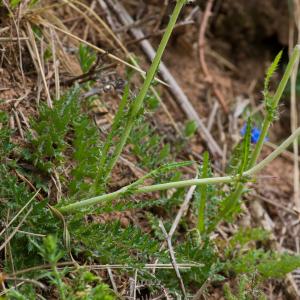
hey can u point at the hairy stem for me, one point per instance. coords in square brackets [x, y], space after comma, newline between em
[180, 184]
[265, 127]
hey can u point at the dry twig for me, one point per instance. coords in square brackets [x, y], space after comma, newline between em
[7, 240]
[112, 280]
[172, 257]
[40, 69]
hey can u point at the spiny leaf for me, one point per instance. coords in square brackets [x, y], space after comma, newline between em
[267, 264]
[87, 154]
[51, 128]
[271, 70]
[110, 243]
[148, 145]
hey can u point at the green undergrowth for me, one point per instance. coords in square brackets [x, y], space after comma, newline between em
[65, 140]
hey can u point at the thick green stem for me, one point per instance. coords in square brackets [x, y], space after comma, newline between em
[276, 98]
[138, 102]
[180, 184]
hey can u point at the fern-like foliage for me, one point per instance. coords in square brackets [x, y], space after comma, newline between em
[15, 196]
[50, 130]
[86, 174]
[266, 264]
[147, 145]
[84, 284]
[63, 134]
[64, 139]
[244, 236]
[111, 244]
[246, 288]
[112, 138]
[201, 251]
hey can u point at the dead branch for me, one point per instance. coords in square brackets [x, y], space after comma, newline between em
[173, 259]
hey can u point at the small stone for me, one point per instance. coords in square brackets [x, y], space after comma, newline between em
[124, 222]
[107, 88]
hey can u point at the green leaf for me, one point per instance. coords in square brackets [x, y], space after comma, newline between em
[271, 70]
[14, 3]
[190, 128]
[86, 57]
[246, 235]
[279, 265]
[267, 264]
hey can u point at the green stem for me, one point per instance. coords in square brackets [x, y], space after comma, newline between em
[203, 194]
[274, 154]
[180, 184]
[276, 98]
[138, 102]
[119, 115]
[266, 125]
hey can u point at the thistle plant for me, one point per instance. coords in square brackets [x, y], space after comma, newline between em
[180, 184]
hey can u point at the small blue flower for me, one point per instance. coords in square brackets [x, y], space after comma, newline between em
[255, 134]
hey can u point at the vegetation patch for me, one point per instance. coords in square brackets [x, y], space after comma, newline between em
[76, 223]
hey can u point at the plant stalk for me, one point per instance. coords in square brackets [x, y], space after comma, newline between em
[180, 184]
[268, 121]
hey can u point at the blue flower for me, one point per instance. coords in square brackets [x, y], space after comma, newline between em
[255, 134]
